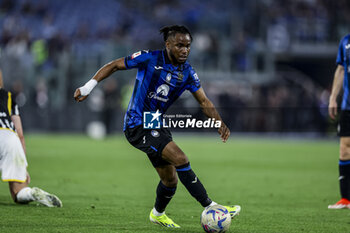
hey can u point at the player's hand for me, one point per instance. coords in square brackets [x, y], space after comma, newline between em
[78, 97]
[224, 132]
[333, 109]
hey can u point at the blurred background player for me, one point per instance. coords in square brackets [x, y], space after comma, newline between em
[341, 80]
[13, 162]
[162, 77]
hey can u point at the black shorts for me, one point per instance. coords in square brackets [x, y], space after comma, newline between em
[150, 141]
[344, 124]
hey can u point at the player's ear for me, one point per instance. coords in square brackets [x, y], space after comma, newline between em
[167, 44]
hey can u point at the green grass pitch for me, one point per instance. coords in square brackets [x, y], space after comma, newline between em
[108, 186]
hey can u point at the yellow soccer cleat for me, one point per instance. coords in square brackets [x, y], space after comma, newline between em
[233, 210]
[163, 220]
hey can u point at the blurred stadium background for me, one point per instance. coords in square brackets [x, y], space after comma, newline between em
[267, 64]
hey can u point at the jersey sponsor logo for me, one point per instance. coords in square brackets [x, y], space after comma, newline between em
[3, 114]
[152, 120]
[161, 94]
[196, 76]
[135, 55]
[158, 67]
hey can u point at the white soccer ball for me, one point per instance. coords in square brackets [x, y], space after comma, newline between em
[96, 130]
[216, 219]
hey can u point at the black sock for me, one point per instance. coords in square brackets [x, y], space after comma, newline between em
[344, 178]
[164, 195]
[192, 184]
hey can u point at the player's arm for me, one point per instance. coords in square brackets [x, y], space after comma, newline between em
[209, 110]
[337, 86]
[16, 119]
[105, 71]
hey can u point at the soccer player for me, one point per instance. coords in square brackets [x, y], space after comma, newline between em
[342, 81]
[162, 77]
[13, 162]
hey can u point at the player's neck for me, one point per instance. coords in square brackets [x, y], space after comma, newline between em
[171, 59]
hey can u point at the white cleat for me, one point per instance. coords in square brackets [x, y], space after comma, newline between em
[45, 198]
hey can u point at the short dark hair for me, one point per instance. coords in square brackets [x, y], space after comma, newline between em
[172, 30]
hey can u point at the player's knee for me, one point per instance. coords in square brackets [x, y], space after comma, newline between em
[181, 160]
[170, 181]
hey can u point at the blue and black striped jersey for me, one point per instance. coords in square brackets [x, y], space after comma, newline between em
[158, 84]
[8, 107]
[343, 59]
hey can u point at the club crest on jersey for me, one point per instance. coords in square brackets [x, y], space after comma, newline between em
[181, 76]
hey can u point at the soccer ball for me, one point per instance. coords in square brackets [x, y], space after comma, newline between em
[216, 219]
